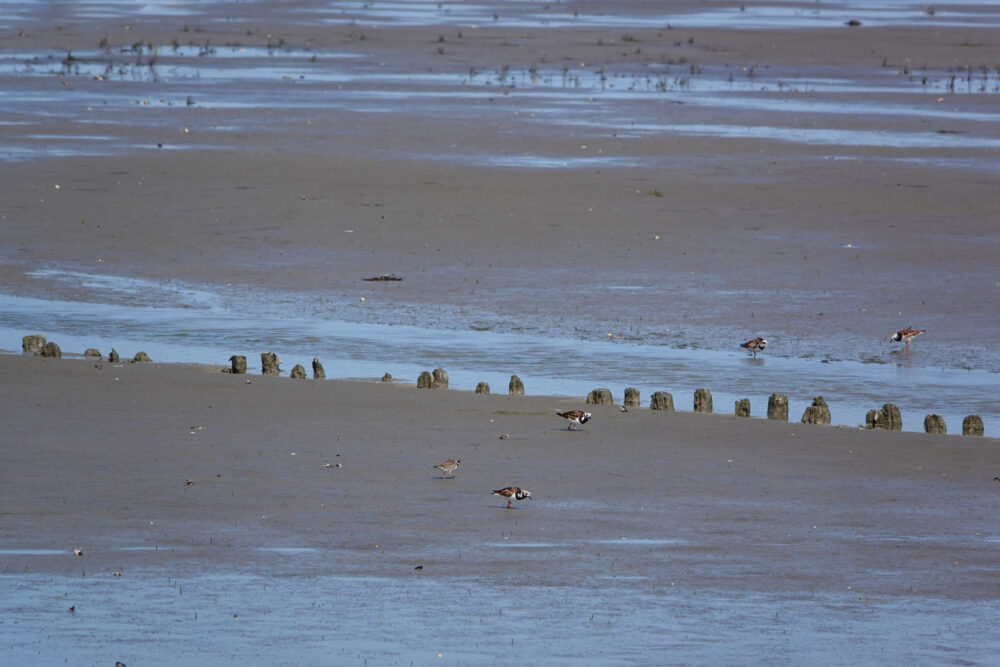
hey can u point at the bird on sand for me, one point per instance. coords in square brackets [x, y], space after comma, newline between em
[448, 467]
[512, 493]
[575, 417]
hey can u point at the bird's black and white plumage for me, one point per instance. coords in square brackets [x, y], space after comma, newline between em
[754, 346]
[575, 417]
[905, 336]
[512, 493]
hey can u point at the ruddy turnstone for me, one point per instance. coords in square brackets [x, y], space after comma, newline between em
[754, 346]
[512, 493]
[575, 417]
[78, 552]
[905, 336]
[448, 467]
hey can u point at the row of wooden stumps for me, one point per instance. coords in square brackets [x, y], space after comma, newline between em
[37, 345]
[887, 418]
[270, 365]
[438, 379]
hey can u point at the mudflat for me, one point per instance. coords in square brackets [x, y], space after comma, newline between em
[233, 517]
[680, 178]
[648, 172]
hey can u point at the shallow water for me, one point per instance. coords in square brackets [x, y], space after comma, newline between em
[566, 14]
[788, 16]
[240, 618]
[128, 90]
[200, 324]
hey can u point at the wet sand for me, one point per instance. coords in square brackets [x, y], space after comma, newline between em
[212, 528]
[662, 180]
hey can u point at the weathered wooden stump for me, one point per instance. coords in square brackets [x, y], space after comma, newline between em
[743, 407]
[238, 364]
[425, 380]
[482, 388]
[113, 357]
[33, 344]
[269, 363]
[887, 418]
[516, 387]
[318, 372]
[817, 413]
[973, 425]
[440, 379]
[935, 424]
[298, 372]
[600, 397]
[702, 400]
[631, 397]
[661, 400]
[387, 377]
[893, 418]
[777, 407]
[140, 358]
[50, 349]
[92, 352]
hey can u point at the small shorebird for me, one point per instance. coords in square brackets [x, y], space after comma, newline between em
[754, 346]
[512, 493]
[448, 467]
[575, 417]
[905, 336]
[78, 552]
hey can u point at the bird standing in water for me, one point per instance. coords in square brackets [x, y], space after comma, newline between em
[905, 336]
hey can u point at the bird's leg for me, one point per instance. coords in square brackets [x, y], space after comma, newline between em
[510, 505]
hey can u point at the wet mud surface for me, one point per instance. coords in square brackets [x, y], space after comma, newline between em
[668, 186]
[581, 196]
[213, 529]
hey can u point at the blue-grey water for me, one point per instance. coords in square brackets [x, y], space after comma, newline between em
[206, 325]
[199, 619]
